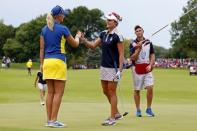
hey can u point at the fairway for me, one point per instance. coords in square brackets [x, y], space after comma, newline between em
[84, 106]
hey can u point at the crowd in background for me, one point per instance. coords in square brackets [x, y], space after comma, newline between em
[5, 62]
[175, 63]
[159, 63]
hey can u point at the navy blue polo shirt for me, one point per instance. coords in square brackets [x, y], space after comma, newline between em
[40, 78]
[110, 54]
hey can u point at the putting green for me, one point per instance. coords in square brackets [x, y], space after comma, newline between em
[84, 106]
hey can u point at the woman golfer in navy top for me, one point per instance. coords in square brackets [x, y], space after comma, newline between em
[112, 46]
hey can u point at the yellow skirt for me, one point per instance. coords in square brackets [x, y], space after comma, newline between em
[54, 69]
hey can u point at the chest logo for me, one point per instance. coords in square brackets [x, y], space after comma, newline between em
[143, 54]
[110, 39]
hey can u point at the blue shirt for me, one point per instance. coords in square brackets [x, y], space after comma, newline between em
[110, 54]
[54, 41]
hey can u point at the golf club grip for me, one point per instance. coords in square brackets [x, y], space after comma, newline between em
[116, 66]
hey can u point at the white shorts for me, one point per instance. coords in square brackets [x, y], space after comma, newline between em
[3, 65]
[142, 80]
[42, 86]
[107, 74]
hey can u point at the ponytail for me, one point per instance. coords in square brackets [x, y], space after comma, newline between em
[50, 21]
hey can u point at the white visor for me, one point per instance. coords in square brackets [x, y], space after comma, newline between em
[111, 17]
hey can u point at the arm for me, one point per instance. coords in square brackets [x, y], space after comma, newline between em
[149, 68]
[91, 44]
[152, 59]
[41, 52]
[138, 48]
[36, 80]
[74, 42]
[121, 55]
[134, 56]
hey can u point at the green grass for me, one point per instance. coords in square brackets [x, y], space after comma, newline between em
[84, 106]
[23, 65]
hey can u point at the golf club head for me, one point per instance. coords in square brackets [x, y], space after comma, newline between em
[126, 113]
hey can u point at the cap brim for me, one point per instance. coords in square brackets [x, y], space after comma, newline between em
[108, 18]
[111, 18]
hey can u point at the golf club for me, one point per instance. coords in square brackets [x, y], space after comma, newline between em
[156, 32]
[121, 96]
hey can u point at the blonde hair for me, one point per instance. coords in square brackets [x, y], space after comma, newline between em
[50, 21]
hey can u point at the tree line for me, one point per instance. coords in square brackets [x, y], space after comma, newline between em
[21, 43]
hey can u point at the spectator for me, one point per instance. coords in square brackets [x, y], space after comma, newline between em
[29, 66]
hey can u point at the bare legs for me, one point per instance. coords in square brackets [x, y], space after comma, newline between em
[149, 96]
[42, 95]
[54, 98]
[109, 90]
[137, 99]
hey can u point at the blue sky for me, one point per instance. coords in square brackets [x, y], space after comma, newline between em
[150, 14]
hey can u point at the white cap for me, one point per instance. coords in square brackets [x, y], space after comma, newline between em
[114, 16]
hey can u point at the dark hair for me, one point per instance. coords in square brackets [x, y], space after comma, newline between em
[137, 26]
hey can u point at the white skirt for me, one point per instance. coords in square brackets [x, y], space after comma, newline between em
[107, 74]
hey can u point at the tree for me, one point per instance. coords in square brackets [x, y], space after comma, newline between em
[13, 49]
[28, 35]
[126, 48]
[87, 21]
[5, 33]
[184, 33]
[160, 52]
[93, 57]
